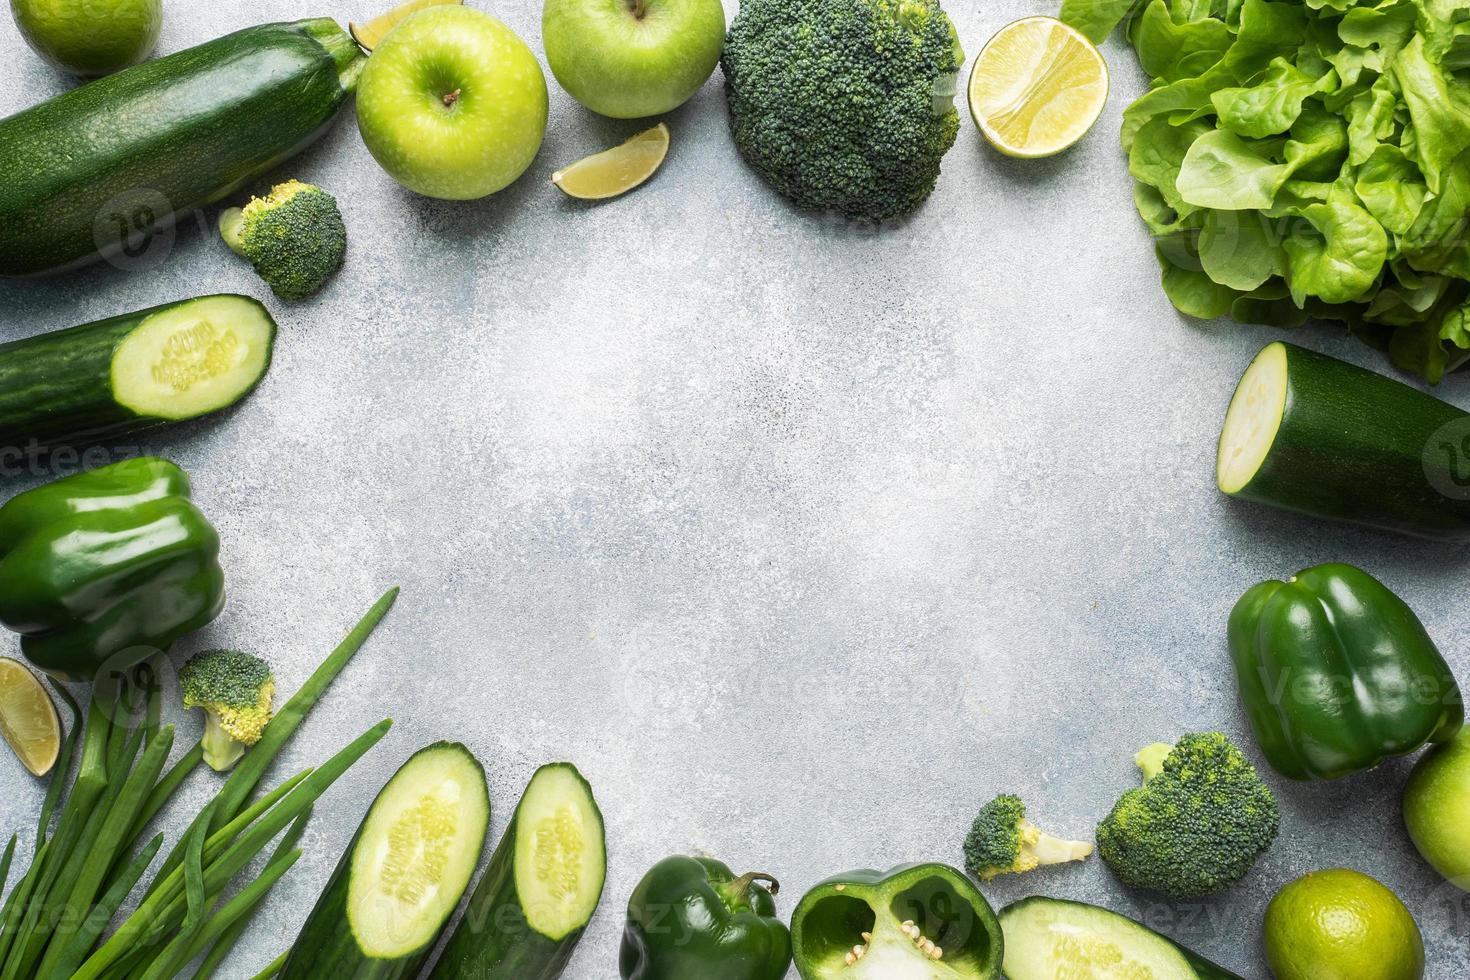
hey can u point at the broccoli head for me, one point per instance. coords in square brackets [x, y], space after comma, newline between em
[294, 236]
[1002, 841]
[1197, 824]
[235, 690]
[844, 105]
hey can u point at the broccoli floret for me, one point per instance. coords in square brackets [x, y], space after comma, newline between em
[1002, 841]
[294, 236]
[1197, 824]
[235, 690]
[844, 105]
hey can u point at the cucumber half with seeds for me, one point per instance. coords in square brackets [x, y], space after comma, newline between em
[540, 890]
[402, 877]
[130, 372]
[1313, 434]
[1047, 938]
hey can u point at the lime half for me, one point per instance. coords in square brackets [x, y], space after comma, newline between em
[1037, 87]
[616, 171]
[28, 718]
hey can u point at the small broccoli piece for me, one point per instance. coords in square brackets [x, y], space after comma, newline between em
[294, 236]
[844, 105]
[1002, 841]
[235, 690]
[1197, 824]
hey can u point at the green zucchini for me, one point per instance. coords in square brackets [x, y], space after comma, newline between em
[540, 890]
[172, 362]
[403, 875]
[1047, 938]
[97, 171]
[1313, 434]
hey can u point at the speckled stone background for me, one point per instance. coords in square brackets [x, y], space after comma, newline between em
[800, 538]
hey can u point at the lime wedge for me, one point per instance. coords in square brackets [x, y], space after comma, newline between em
[28, 718]
[1037, 87]
[371, 34]
[616, 171]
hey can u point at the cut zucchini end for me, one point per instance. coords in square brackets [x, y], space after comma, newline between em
[416, 851]
[193, 358]
[1046, 938]
[1253, 419]
[560, 851]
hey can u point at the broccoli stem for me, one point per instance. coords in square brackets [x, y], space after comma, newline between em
[231, 221]
[1151, 759]
[1054, 850]
[221, 750]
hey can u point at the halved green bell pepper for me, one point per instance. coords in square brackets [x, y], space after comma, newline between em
[693, 917]
[1337, 674]
[107, 567]
[914, 922]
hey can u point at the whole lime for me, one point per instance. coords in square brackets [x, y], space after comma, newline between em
[1437, 808]
[1341, 925]
[90, 37]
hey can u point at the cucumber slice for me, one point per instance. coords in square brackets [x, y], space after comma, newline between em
[540, 889]
[559, 859]
[1046, 938]
[131, 372]
[193, 357]
[399, 882]
[1313, 434]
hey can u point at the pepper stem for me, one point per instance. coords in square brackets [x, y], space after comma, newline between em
[741, 886]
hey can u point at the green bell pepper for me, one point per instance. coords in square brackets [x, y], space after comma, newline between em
[1337, 673]
[914, 922]
[692, 917]
[107, 567]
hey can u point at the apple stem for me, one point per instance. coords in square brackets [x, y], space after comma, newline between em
[451, 98]
[638, 8]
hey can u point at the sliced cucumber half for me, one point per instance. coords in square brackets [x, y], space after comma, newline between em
[1253, 419]
[559, 859]
[193, 357]
[1046, 938]
[539, 890]
[416, 852]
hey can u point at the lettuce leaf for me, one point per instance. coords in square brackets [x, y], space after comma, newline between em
[1300, 159]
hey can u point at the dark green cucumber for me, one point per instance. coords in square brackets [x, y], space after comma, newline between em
[97, 171]
[1313, 434]
[403, 875]
[176, 361]
[1051, 937]
[540, 890]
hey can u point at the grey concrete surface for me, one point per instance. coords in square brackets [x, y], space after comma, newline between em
[802, 539]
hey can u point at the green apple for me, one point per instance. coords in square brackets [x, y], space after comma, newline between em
[90, 37]
[452, 104]
[1437, 808]
[632, 58]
